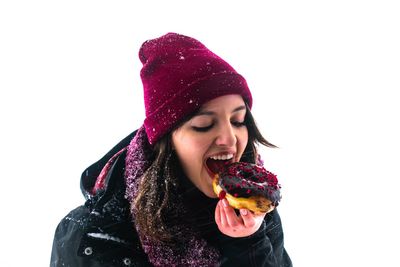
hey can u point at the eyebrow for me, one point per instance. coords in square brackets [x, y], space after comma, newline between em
[243, 107]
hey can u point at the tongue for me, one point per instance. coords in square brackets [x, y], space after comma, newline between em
[217, 166]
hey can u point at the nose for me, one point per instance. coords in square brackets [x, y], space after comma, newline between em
[226, 136]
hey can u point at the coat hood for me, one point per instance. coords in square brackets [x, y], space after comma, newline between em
[90, 176]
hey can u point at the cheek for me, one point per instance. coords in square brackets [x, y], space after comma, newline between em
[190, 151]
[190, 147]
[243, 138]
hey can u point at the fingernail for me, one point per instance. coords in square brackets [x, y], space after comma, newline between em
[225, 202]
[243, 212]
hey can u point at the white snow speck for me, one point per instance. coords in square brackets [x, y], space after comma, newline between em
[107, 237]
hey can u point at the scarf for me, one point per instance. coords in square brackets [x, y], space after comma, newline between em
[196, 251]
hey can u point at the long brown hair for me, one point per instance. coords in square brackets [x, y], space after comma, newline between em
[159, 202]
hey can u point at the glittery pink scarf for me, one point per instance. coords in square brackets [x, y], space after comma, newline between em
[196, 252]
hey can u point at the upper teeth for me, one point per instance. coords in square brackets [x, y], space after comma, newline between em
[222, 157]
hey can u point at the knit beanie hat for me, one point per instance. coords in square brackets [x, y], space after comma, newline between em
[179, 75]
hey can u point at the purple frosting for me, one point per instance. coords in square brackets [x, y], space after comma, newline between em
[241, 179]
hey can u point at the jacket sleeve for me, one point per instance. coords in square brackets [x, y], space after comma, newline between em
[263, 248]
[274, 233]
[67, 240]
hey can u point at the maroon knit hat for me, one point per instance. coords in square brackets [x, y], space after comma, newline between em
[179, 75]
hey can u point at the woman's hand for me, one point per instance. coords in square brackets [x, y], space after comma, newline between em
[233, 225]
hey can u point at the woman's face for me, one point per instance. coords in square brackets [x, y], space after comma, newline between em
[214, 135]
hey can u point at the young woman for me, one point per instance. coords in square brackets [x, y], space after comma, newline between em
[150, 200]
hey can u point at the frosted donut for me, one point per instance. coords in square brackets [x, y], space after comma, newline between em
[248, 186]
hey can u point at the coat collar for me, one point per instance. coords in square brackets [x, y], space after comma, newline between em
[90, 174]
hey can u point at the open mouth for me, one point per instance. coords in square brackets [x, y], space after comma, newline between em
[215, 166]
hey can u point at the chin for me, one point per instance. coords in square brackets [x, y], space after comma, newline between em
[209, 193]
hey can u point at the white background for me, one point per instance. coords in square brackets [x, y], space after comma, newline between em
[325, 81]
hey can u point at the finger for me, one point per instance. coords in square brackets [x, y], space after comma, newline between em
[224, 221]
[248, 218]
[259, 215]
[217, 214]
[230, 214]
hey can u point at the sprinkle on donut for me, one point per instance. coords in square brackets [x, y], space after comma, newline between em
[245, 180]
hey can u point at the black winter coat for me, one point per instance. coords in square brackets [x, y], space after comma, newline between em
[101, 232]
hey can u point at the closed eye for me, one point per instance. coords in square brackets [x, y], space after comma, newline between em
[202, 129]
[238, 123]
